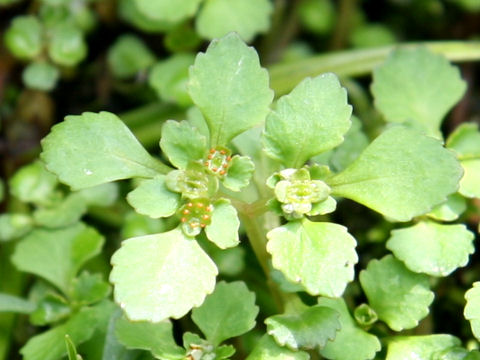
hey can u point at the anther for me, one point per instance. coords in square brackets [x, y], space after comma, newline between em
[223, 152]
[229, 158]
[210, 157]
[186, 212]
[183, 219]
[200, 205]
[206, 217]
[222, 172]
[190, 205]
[212, 151]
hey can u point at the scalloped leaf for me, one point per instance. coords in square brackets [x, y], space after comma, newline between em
[228, 312]
[230, 88]
[223, 229]
[320, 256]
[239, 173]
[450, 210]
[419, 347]
[246, 17]
[154, 337]
[417, 87]
[351, 342]
[182, 143]
[268, 349]
[57, 255]
[431, 248]
[472, 308]
[310, 120]
[65, 213]
[13, 226]
[401, 174]
[399, 297]
[152, 198]
[92, 149]
[161, 275]
[310, 328]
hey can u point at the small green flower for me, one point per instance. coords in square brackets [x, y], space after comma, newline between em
[297, 192]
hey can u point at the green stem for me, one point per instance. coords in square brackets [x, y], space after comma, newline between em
[284, 77]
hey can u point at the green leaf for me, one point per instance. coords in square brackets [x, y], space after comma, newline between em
[66, 213]
[419, 347]
[92, 149]
[89, 288]
[346, 153]
[57, 255]
[471, 178]
[223, 230]
[175, 275]
[10, 303]
[13, 226]
[182, 143]
[310, 120]
[365, 315]
[40, 76]
[317, 16]
[472, 308]
[154, 337]
[450, 210]
[230, 88]
[228, 312]
[67, 46]
[432, 248]
[418, 87]
[465, 141]
[351, 342]
[50, 345]
[169, 78]
[182, 38]
[128, 56]
[268, 349]
[152, 198]
[166, 10]
[309, 328]
[137, 225]
[240, 171]
[101, 195]
[128, 11]
[399, 297]
[320, 256]
[401, 174]
[246, 17]
[51, 308]
[24, 37]
[33, 183]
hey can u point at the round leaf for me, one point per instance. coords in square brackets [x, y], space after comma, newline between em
[399, 297]
[182, 143]
[67, 46]
[223, 230]
[239, 173]
[152, 198]
[24, 37]
[128, 56]
[419, 347]
[40, 76]
[417, 86]
[167, 10]
[472, 308]
[160, 276]
[401, 174]
[92, 149]
[310, 120]
[320, 256]
[33, 183]
[246, 17]
[169, 78]
[228, 312]
[230, 88]
[432, 248]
